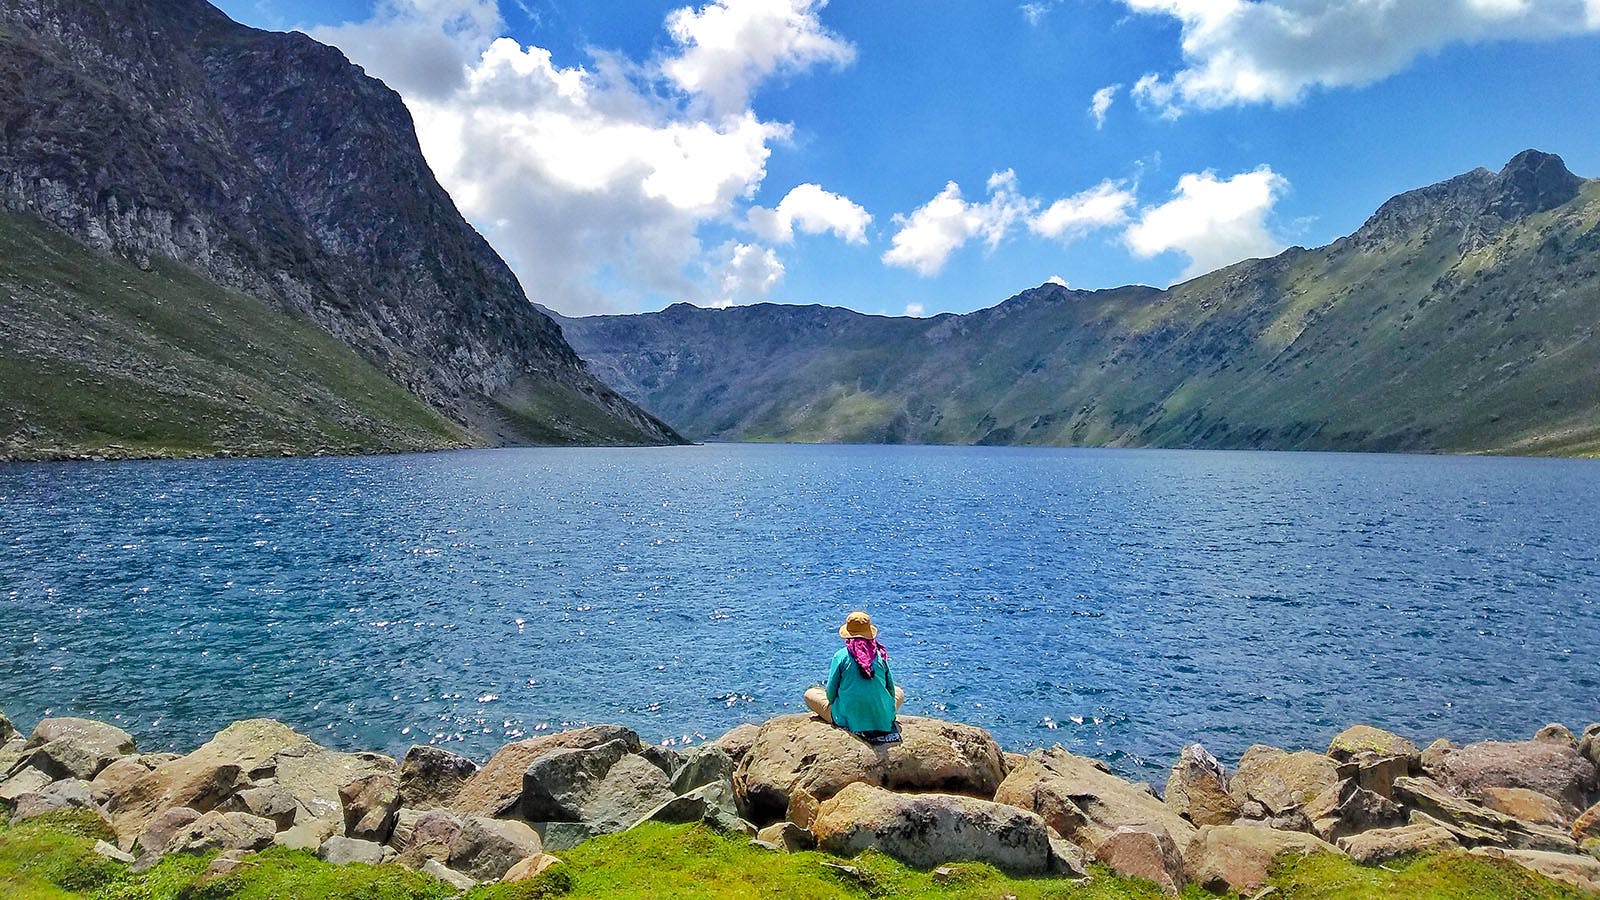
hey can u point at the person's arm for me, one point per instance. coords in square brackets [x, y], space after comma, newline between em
[833, 680]
[888, 678]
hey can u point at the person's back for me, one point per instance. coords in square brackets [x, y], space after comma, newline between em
[860, 694]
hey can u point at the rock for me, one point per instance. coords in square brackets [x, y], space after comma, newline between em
[431, 777]
[69, 793]
[1143, 853]
[226, 864]
[708, 803]
[270, 802]
[447, 875]
[223, 831]
[10, 754]
[1080, 798]
[111, 851]
[429, 835]
[1589, 744]
[1348, 808]
[925, 830]
[1582, 872]
[737, 742]
[701, 766]
[21, 783]
[803, 807]
[1552, 768]
[1364, 739]
[530, 868]
[1369, 848]
[1013, 761]
[1282, 781]
[405, 824]
[1198, 789]
[1435, 754]
[1587, 826]
[800, 751]
[7, 730]
[117, 777]
[369, 805]
[153, 841]
[307, 835]
[1529, 806]
[1471, 823]
[496, 789]
[487, 848]
[1376, 773]
[788, 837]
[561, 836]
[606, 786]
[1066, 858]
[343, 851]
[74, 748]
[1239, 857]
[1556, 733]
[664, 758]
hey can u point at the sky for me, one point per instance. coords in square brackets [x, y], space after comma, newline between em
[914, 157]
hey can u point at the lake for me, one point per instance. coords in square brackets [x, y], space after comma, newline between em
[1120, 603]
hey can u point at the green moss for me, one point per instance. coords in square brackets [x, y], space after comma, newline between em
[1448, 876]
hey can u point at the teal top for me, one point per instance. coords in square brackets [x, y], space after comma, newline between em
[860, 704]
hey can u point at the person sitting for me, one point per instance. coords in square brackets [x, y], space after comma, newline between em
[860, 695]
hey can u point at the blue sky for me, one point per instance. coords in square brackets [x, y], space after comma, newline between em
[625, 155]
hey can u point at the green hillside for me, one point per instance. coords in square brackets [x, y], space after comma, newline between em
[100, 358]
[1460, 318]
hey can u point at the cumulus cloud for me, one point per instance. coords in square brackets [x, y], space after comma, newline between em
[813, 211]
[1274, 51]
[1211, 221]
[1105, 205]
[730, 46]
[1100, 103]
[595, 183]
[944, 224]
[915, 310]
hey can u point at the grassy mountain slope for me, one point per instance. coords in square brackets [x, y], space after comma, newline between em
[1460, 318]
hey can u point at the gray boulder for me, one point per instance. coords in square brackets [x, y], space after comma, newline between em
[927, 830]
[457, 880]
[21, 783]
[69, 793]
[160, 831]
[1348, 808]
[7, 730]
[496, 789]
[223, 831]
[432, 776]
[703, 765]
[343, 851]
[370, 803]
[1554, 768]
[74, 748]
[1364, 740]
[664, 758]
[487, 848]
[1589, 744]
[269, 802]
[609, 787]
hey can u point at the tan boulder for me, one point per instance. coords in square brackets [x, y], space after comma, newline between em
[1146, 853]
[1473, 823]
[530, 868]
[1529, 806]
[1198, 789]
[1580, 871]
[222, 831]
[10, 754]
[74, 748]
[117, 777]
[496, 789]
[7, 730]
[158, 834]
[1348, 808]
[370, 803]
[1282, 781]
[487, 848]
[1435, 754]
[803, 806]
[1360, 739]
[1589, 744]
[800, 751]
[1376, 773]
[927, 830]
[787, 836]
[1380, 845]
[1553, 768]
[18, 785]
[1556, 733]
[1080, 798]
[1587, 826]
[1239, 857]
[738, 741]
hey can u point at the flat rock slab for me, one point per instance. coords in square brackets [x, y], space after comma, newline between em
[803, 752]
[1553, 768]
[926, 830]
[1080, 798]
[1380, 845]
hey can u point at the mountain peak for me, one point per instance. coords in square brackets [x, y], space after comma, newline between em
[1532, 182]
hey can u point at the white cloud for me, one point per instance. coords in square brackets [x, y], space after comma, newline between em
[1100, 103]
[814, 211]
[1274, 51]
[915, 310]
[944, 224]
[1213, 222]
[1103, 206]
[730, 46]
[595, 183]
[750, 274]
[1057, 280]
[1036, 10]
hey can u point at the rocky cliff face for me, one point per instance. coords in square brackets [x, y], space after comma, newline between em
[268, 162]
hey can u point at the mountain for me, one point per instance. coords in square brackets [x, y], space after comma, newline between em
[212, 177]
[1460, 318]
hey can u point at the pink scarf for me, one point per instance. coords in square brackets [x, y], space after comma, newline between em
[865, 652]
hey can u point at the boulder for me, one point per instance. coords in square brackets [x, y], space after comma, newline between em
[1080, 798]
[496, 789]
[558, 836]
[74, 748]
[1348, 808]
[1580, 871]
[431, 777]
[10, 754]
[1556, 733]
[117, 777]
[112, 852]
[1198, 789]
[1529, 806]
[788, 837]
[1369, 848]
[926, 830]
[1471, 823]
[427, 835]
[1365, 739]
[705, 764]
[738, 741]
[800, 751]
[1067, 858]
[530, 868]
[606, 786]
[153, 841]
[227, 863]
[1587, 826]
[70, 793]
[405, 825]
[270, 802]
[342, 851]
[1239, 857]
[1376, 773]
[803, 807]
[487, 848]
[1282, 781]
[7, 730]
[223, 831]
[1143, 853]
[457, 880]
[664, 758]
[21, 783]
[370, 803]
[710, 803]
[1589, 744]
[1435, 754]
[1553, 768]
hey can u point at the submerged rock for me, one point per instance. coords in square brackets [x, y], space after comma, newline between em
[926, 830]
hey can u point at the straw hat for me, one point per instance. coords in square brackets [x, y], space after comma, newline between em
[858, 625]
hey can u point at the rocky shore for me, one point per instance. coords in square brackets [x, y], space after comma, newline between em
[947, 793]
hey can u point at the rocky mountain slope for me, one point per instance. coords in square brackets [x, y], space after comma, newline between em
[1461, 317]
[154, 130]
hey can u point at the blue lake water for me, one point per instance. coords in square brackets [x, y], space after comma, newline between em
[1120, 603]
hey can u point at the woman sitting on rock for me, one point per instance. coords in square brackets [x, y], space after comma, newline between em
[861, 695]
